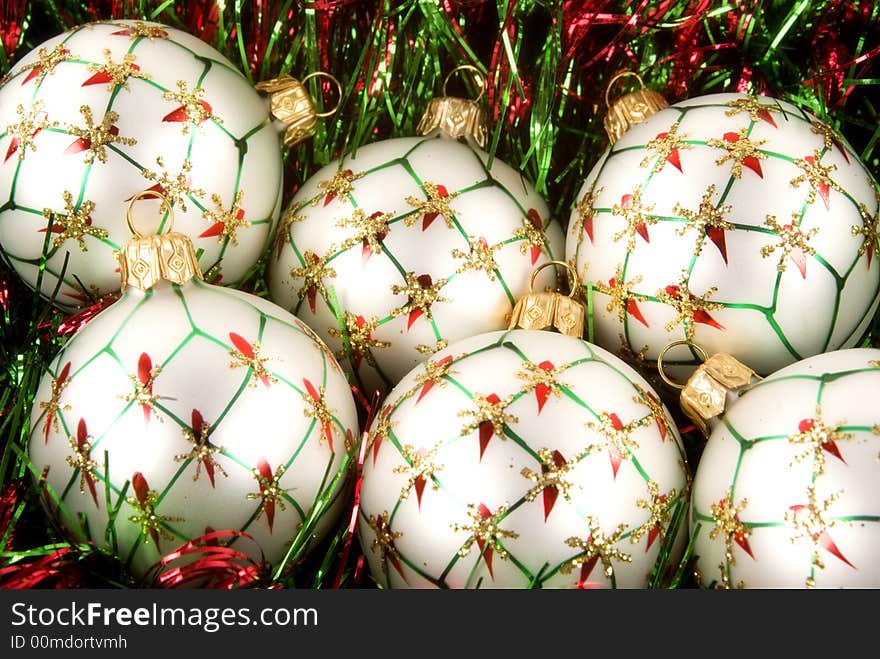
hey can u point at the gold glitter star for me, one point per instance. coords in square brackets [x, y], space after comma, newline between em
[319, 410]
[231, 219]
[384, 540]
[812, 521]
[73, 223]
[754, 107]
[491, 410]
[421, 293]
[436, 204]
[689, 308]
[191, 104]
[337, 187]
[484, 530]
[418, 470]
[83, 461]
[358, 331]
[24, 132]
[143, 382]
[620, 292]
[553, 474]
[586, 209]
[726, 517]
[175, 187]
[202, 451]
[660, 416]
[817, 176]
[741, 150]
[94, 138]
[52, 406]
[117, 73]
[597, 545]
[370, 229]
[247, 355]
[792, 239]
[479, 257]
[46, 62]
[543, 376]
[637, 217]
[434, 374]
[869, 230]
[660, 509]
[529, 235]
[615, 437]
[663, 146]
[151, 523]
[817, 439]
[707, 218]
[313, 273]
[271, 493]
[141, 29]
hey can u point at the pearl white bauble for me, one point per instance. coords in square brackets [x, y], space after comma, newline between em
[97, 114]
[189, 408]
[787, 491]
[520, 459]
[741, 223]
[421, 242]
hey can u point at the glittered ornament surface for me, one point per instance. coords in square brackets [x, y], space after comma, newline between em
[787, 491]
[741, 223]
[93, 116]
[190, 408]
[409, 244]
[520, 459]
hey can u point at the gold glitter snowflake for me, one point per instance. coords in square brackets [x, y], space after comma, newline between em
[81, 460]
[152, 523]
[95, 138]
[725, 514]
[480, 256]
[119, 72]
[420, 466]
[489, 410]
[337, 187]
[436, 204]
[817, 175]
[74, 222]
[30, 123]
[753, 106]
[47, 60]
[637, 217]
[231, 218]
[620, 292]
[664, 145]
[741, 150]
[689, 308]
[791, 239]
[552, 474]
[195, 109]
[421, 293]
[384, 540]
[484, 530]
[659, 508]
[597, 545]
[175, 187]
[818, 439]
[706, 218]
[202, 451]
[313, 273]
[370, 229]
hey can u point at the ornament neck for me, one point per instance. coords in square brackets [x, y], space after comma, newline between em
[550, 310]
[146, 260]
[292, 108]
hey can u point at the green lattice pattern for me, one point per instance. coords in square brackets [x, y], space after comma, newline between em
[759, 173]
[828, 480]
[588, 552]
[106, 234]
[522, 215]
[188, 363]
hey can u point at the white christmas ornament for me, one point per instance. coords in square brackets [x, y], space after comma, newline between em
[416, 241]
[518, 459]
[740, 223]
[787, 490]
[186, 407]
[95, 115]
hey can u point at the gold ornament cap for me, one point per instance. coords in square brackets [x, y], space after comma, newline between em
[292, 105]
[550, 310]
[145, 260]
[631, 108]
[457, 117]
[709, 389]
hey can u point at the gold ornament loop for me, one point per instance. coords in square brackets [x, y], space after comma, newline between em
[572, 276]
[681, 342]
[479, 77]
[164, 202]
[331, 78]
[619, 76]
